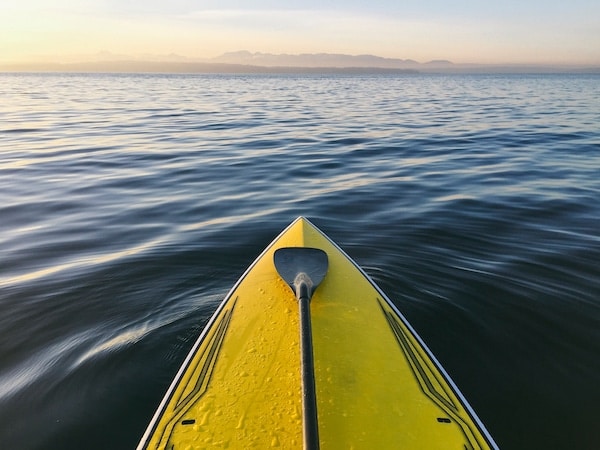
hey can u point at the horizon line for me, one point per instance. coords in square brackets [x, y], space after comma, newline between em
[258, 62]
[104, 56]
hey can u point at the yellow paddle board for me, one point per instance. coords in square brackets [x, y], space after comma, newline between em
[377, 386]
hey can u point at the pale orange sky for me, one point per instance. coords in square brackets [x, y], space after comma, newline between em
[534, 31]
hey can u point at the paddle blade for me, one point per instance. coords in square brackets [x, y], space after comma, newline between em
[295, 264]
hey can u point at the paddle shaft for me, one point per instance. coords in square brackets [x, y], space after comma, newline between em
[310, 427]
[303, 269]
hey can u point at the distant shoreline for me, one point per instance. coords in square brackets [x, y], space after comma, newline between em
[191, 68]
[227, 68]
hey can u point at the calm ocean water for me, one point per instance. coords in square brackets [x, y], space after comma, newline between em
[130, 204]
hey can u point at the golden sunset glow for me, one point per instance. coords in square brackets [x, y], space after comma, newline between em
[507, 32]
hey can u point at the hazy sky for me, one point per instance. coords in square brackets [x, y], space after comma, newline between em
[483, 31]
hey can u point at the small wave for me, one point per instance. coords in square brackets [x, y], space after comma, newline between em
[79, 263]
[22, 130]
[38, 365]
[125, 338]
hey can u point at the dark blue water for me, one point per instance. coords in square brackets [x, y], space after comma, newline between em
[130, 204]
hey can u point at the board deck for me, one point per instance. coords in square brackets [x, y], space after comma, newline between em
[377, 384]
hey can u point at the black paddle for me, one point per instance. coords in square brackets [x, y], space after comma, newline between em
[303, 269]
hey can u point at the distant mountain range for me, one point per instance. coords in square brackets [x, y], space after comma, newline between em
[359, 63]
[322, 60]
[248, 62]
